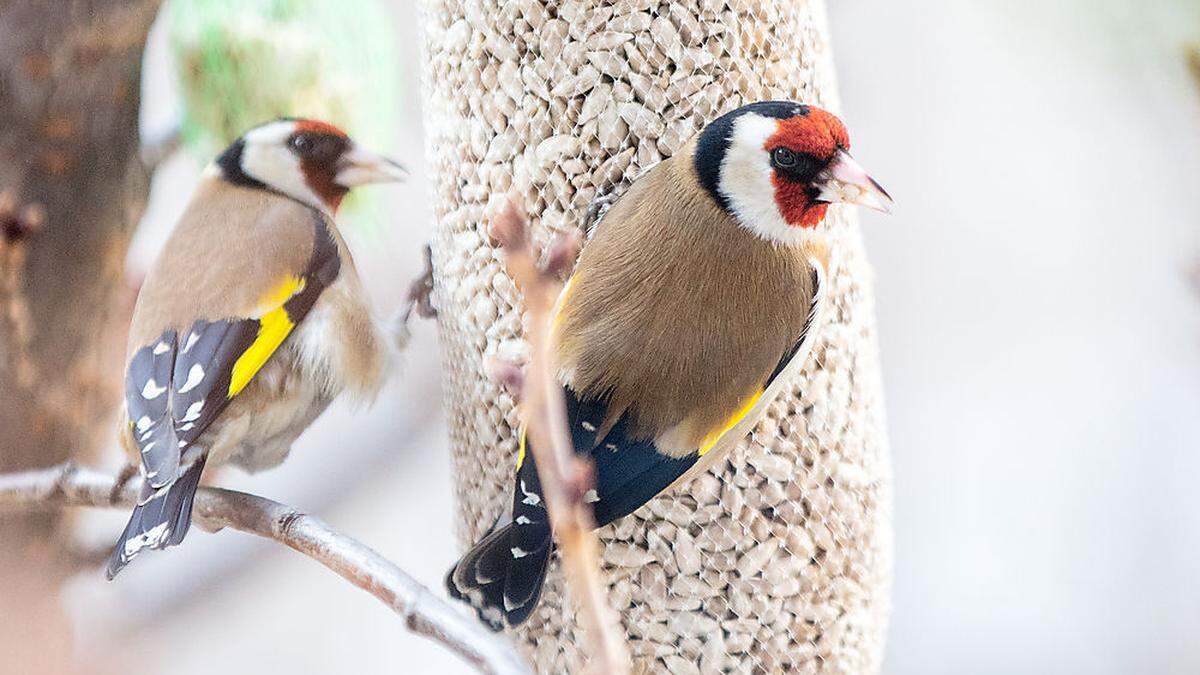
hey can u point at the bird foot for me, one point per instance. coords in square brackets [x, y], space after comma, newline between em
[420, 291]
[419, 299]
[595, 212]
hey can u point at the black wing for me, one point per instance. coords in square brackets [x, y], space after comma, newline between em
[630, 471]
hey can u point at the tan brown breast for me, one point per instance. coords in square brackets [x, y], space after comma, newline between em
[676, 312]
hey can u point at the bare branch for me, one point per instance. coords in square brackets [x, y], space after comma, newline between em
[565, 476]
[423, 612]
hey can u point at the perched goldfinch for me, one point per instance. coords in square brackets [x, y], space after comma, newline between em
[251, 321]
[697, 295]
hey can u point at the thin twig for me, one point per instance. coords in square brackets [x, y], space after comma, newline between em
[423, 612]
[565, 476]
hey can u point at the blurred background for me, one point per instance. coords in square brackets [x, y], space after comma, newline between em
[1039, 310]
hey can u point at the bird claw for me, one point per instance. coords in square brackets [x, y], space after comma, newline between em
[420, 291]
[419, 299]
[595, 212]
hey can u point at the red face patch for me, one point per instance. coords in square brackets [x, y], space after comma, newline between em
[319, 127]
[321, 181]
[819, 134]
[795, 204]
[320, 145]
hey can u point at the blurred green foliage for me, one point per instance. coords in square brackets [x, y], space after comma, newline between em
[243, 62]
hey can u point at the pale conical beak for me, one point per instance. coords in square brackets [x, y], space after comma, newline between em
[844, 181]
[362, 167]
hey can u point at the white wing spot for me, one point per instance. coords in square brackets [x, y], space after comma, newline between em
[591, 497]
[523, 520]
[531, 498]
[587, 426]
[161, 348]
[187, 427]
[152, 537]
[611, 446]
[194, 378]
[152, 391]
[519, 552]
[192, 338]
[193, 412]
[148, 447]
[144, 423]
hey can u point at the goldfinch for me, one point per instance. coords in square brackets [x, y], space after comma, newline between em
[696, 297]
[251, 321]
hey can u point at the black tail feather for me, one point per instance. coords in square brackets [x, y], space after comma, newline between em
[500, 578]
[160, 519]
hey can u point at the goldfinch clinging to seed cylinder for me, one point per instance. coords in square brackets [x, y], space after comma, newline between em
[696, 297]
[251, 321]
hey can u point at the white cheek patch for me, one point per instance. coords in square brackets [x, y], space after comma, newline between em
[267, 158]
[745, 181]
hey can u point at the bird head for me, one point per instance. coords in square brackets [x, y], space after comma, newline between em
[310, 161]
[776, 166]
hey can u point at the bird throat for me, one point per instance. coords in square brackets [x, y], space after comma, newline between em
[320, 179]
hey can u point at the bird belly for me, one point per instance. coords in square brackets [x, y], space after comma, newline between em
[258, 428]
[340, 345]
[336, 349]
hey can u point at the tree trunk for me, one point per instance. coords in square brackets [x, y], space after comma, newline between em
[71, 190]
[778, 559]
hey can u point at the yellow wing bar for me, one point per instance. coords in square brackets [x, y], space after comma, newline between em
[521, 448]
[714, 436]
[274, 327]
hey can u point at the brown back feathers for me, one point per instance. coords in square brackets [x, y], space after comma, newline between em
[232, 246]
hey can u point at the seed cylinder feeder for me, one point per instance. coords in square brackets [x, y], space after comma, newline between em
[778, 558]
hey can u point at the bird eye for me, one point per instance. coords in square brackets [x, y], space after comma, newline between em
[303, 143]
[783, 158]
[317, 148]
[796, 166]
